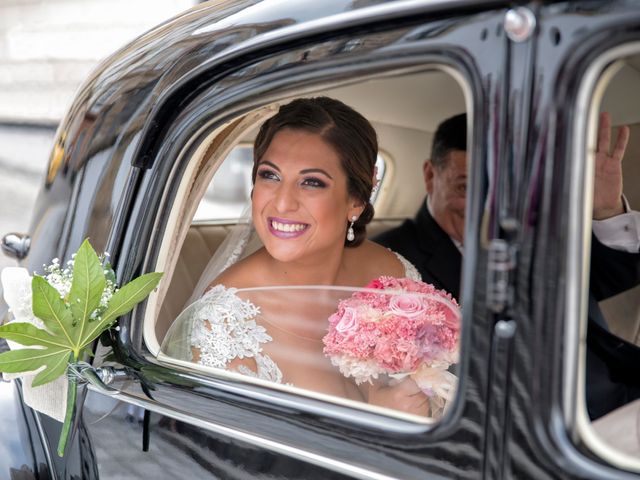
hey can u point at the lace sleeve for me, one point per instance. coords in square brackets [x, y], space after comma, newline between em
[222, 328]
[410, 271]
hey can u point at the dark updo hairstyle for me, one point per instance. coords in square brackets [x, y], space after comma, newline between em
[349, 133]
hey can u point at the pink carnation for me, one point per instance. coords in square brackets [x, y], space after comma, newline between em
[375, 284]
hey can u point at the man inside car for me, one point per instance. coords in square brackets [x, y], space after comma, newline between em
[433, 242]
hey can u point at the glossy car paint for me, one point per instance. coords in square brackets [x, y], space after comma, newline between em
[20, 451]
[113, 177]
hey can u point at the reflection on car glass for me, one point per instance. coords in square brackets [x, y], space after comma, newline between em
[351, 343]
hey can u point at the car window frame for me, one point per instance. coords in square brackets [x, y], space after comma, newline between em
[590, 92]
[155, 350]
[465, 87]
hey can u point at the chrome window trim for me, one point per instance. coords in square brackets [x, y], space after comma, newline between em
[272, 445]
[578, 251]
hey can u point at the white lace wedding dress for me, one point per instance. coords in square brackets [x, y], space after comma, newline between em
[222, 327]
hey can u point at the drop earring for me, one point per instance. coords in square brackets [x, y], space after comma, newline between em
[351, 236]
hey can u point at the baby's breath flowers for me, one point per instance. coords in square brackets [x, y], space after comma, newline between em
[61, 279]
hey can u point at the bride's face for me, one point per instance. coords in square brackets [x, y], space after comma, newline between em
[300, 198]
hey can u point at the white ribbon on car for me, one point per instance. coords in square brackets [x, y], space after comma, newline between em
[51, 398]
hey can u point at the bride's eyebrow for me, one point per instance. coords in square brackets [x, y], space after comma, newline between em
[302, 172]
[315, 170]
[270, 164]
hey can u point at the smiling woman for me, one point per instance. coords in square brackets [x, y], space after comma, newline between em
[314, 169]
[300, 194]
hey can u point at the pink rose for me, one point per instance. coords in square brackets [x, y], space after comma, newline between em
[348, 322]
[410, 306]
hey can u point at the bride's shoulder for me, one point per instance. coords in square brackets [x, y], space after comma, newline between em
[372, 260]
[380, 259]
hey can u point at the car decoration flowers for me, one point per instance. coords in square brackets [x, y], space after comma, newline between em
[60, 316]
[406, 327]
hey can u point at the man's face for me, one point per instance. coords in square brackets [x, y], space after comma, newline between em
[447, 191]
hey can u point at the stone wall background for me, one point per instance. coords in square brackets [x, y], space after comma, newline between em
[47, 48]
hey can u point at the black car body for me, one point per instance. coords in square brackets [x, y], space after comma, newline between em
[114, 175]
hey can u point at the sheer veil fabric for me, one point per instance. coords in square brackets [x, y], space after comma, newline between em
[240, 242]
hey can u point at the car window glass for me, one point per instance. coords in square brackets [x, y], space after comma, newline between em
[612, 380]
[386, 348]
[200, 333]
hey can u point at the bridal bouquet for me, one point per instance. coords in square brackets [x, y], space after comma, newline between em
[59, 315]
[407, 328]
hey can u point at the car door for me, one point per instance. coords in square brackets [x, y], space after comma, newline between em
[575, 53]
[190, 423]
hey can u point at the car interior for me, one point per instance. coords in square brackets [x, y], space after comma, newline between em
[407, 110]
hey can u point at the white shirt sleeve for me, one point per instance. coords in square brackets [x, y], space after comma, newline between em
[621, 232]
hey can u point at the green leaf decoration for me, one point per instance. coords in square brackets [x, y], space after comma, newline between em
[56, 366]
[87, 286]
[30, 359]
[122, 302]
[69, 326]
[29, 335]
[51, 309]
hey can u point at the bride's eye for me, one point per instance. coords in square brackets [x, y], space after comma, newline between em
[313, 182]
[266, 174]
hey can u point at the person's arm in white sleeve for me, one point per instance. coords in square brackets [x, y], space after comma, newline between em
[620, 232]
[614, 223]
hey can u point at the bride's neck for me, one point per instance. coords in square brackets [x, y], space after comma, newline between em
[324, 271]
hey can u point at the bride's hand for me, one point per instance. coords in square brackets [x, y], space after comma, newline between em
[404, 395]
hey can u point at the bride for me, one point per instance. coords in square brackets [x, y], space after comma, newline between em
[313, 174]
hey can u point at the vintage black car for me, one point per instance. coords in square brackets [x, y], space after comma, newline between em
[152, 163]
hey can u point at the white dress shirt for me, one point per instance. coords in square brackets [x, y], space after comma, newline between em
[621, 232]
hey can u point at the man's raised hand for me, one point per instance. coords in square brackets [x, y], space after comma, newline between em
[607, 193]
